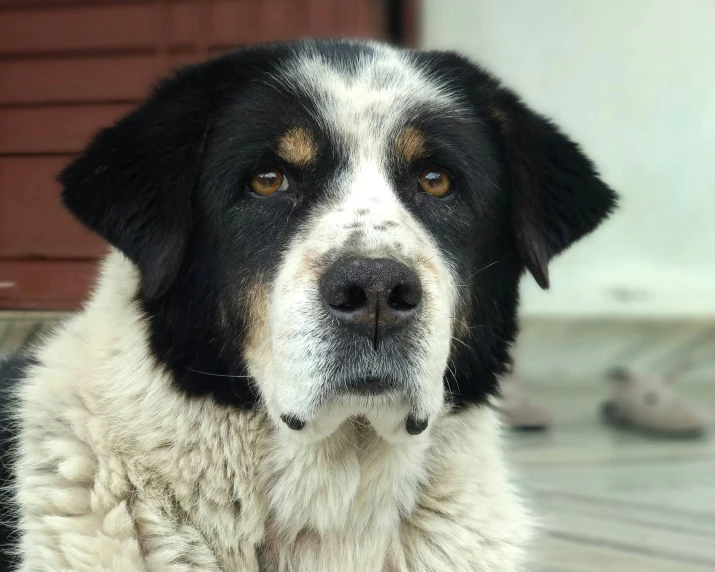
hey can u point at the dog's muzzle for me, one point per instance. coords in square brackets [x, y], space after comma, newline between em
[376, 299]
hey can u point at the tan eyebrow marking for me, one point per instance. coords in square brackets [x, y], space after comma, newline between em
[411, 144]
[297, 146]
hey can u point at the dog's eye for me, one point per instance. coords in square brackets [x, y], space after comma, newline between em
[268, 182]
[435, 181]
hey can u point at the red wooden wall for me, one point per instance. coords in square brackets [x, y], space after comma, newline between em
[68, 68]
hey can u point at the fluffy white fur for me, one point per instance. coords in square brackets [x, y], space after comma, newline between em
[118, 471]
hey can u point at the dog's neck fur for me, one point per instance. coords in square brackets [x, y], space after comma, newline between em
[208, 483]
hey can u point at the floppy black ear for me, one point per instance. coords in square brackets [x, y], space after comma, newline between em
[134, 181]
[558, 196]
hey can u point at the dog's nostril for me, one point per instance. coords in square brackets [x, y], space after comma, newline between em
[355, 299]
[403, 298]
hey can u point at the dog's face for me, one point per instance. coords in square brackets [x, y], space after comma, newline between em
[333, 229]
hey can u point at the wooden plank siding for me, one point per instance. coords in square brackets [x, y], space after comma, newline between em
[33, 223]
[51, 283]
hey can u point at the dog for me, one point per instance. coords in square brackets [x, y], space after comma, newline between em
[287, 360]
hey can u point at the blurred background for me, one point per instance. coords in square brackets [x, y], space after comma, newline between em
[621, 469]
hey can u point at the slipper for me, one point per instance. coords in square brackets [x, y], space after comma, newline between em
[649, 404]
[519, 410]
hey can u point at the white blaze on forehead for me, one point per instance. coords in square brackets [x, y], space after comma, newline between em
[362, 100]
[367, 191]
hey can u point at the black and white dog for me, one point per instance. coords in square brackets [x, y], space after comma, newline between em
[312, 292]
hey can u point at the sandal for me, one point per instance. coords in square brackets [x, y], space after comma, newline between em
[649, 404]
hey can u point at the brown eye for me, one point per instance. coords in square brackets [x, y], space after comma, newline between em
[269, 182]
[435, 182]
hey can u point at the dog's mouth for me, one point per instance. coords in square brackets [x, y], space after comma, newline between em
[366, 387]
[387, 386]
[369, 385]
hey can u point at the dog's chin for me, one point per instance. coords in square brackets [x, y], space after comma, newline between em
[382, 406]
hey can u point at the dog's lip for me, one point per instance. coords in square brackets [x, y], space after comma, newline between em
[293, 422]
[415, 425]
[369, 385]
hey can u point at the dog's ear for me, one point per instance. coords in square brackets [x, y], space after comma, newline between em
[558, 196]
[133, 183]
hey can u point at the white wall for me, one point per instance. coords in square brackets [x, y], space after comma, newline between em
[634, 82]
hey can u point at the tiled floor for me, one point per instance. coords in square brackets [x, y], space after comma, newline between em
[606, 500]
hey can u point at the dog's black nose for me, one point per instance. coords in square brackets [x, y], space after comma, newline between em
[372, 296]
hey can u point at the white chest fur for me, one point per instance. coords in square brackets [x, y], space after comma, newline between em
[338, 503]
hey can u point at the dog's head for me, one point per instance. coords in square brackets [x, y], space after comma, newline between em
[333, 228]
